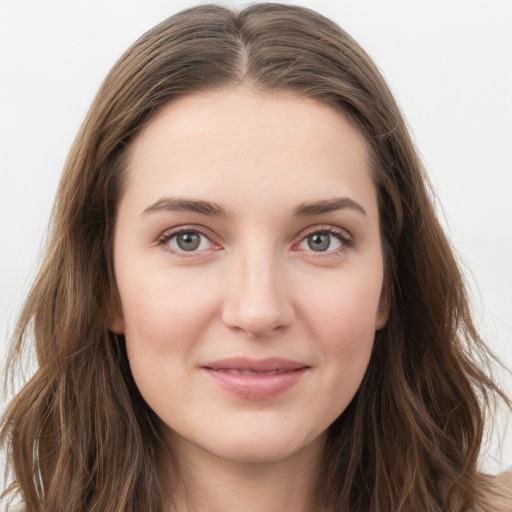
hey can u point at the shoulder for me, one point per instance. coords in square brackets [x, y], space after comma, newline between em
[496, 493]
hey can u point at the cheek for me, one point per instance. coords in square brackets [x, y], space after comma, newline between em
[160, 307]
[165, 320]
[342, 320]
[344, 307]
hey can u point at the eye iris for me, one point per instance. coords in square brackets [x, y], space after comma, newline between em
[188, 241]
[319, 241]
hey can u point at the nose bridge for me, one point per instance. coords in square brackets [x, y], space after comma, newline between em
[257, 301]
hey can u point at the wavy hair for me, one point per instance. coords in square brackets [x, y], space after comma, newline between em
[79, 437]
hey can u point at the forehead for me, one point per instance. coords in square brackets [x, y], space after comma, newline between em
[240, 144]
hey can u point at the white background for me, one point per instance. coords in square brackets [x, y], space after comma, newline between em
[448, 62]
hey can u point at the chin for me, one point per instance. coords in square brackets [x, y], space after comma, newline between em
[261, 448]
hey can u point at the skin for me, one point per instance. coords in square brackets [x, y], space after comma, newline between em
[253, 288]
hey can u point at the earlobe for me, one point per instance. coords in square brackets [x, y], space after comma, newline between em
[116, 325]
[115, 320]
[382, 316]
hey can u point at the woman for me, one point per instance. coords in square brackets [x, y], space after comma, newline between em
[247, 300]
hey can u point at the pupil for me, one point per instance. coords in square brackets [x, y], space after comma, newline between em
[319, 241]
[188, 241]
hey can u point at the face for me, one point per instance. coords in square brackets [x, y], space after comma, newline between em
[249, 267]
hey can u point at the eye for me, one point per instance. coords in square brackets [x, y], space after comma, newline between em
[186, 241]
[320, 242]
[328, 240]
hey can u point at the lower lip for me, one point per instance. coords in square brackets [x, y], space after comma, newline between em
[256, 387]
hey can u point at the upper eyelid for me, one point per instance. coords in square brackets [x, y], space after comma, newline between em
[170, 232]
[325, 228]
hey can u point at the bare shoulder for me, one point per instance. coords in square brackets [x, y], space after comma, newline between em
[496, 493]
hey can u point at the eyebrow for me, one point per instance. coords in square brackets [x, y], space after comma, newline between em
[210, 209]
[327, 206]
[177, 204]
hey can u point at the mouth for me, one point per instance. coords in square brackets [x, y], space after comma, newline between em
[256, 379]
[250, 372]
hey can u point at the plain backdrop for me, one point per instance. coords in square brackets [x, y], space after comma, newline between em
[449, 64]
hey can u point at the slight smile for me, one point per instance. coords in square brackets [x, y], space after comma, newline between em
[256, 379]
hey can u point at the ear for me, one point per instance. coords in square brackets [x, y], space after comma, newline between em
[115, 318]
[382, 316]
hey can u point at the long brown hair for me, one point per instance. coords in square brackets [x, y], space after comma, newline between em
[80, 437]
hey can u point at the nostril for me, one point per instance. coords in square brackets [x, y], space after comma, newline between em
[258, 324]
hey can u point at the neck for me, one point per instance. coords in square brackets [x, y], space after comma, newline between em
[213, 484]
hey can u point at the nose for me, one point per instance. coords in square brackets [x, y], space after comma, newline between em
[258, 301]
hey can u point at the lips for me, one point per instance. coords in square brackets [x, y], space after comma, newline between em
[256, 379]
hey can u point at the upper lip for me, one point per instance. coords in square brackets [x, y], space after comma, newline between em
[256, 365]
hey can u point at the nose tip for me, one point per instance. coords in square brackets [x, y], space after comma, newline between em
[257, 322]
[258, 304]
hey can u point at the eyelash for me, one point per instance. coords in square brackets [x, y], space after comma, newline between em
[166, 237]
[343, 236]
